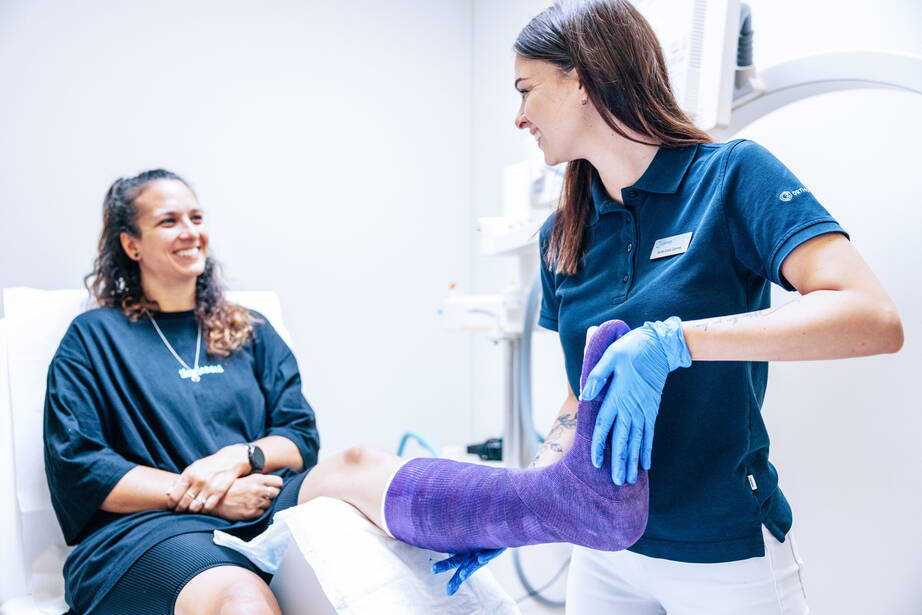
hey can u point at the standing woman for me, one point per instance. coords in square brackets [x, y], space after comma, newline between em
[170, 413]
[680, 238]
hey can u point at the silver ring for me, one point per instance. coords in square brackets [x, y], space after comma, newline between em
[191, 495]
[199, 500]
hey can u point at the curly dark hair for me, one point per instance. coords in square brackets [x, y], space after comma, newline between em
[116, 279]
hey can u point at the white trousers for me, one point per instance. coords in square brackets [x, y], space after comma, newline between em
[612, 583]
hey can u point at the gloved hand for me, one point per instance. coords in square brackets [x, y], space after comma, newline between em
[638, 362]
[466, 564]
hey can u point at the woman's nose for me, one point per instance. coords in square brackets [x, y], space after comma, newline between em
[521, 122]
[189, 229]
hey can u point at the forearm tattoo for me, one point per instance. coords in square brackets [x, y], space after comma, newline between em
[735, 318]
[564, 422]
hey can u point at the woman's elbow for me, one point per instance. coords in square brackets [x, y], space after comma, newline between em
[891, 330]
[896, 335]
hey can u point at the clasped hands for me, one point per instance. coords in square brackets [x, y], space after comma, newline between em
[219, 485]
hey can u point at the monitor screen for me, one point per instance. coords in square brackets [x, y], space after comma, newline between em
[699, 39]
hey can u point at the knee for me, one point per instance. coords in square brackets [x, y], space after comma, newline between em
[247, 601]
[362, 455]
[226, 590]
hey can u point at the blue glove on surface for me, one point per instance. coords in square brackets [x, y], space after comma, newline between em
[638, 362]
[466, 564]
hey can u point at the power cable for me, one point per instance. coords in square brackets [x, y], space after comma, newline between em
[536, 593]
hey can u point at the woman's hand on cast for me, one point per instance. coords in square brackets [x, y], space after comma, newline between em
[637, 364]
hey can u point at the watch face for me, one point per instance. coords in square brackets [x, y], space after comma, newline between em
[258, 459]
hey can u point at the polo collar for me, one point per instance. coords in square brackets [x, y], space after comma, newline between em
[663, 176]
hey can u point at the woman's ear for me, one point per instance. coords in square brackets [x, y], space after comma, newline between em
[130, 246]
[581, 89]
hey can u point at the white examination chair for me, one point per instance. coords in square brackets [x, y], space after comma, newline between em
[395, 576]
[32, 550]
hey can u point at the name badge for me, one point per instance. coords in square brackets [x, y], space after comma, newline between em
[668, 246]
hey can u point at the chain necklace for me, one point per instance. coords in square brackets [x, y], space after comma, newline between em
[195, 376]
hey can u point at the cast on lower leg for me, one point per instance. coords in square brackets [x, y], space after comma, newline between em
[456, 507]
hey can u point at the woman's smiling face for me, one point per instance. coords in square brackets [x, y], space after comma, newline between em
[172, 245]
[553, 108]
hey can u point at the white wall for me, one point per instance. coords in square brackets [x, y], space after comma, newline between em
[844, 433]
[344, 152]
[328, 142]
[497, 143]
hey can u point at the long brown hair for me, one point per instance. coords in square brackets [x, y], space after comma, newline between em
[620, 64]
[116, 279]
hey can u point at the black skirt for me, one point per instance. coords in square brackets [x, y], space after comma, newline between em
[154, 581]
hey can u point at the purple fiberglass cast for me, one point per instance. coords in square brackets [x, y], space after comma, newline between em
[456, 507]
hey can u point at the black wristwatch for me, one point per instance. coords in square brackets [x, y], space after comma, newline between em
[256, 458]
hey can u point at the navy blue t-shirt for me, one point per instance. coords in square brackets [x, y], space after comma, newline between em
[711, 484]
[116, 399]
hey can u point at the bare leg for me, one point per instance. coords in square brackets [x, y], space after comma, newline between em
[226, 590]
[457, 507]
[360, 474]
[451, 506]
[357, 476]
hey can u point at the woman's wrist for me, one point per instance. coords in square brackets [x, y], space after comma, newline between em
[240, 457]
[279, 452]
[672, 337]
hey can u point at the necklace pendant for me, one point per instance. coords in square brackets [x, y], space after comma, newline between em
[196, 378]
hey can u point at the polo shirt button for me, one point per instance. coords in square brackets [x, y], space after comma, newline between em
[625, 279]
[632, 193]
[630, 247]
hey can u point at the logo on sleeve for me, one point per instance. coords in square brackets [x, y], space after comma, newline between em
[788, 195]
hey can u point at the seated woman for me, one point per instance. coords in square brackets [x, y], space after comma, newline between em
[146, 454]
[151, 442]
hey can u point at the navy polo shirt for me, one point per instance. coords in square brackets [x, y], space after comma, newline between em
[711, 484]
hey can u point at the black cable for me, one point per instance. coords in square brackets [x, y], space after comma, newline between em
[536, 593]
[744, 42]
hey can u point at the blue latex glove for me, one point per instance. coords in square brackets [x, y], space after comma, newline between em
[466, 564]
[638, 363]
